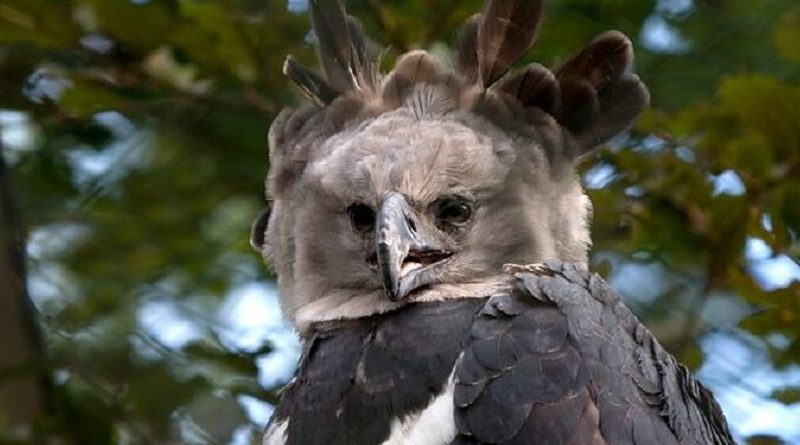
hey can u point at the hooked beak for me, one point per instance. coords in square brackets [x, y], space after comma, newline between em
[406, 255]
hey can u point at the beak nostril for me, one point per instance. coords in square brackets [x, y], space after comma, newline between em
[411, 225]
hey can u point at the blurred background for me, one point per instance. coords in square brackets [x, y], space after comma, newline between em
[133, 139]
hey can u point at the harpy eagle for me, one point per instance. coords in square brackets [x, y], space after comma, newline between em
[430, 239]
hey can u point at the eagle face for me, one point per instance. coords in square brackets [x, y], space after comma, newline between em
[409, 206]
[410, 203]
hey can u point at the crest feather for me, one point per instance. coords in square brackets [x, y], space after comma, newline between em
[341, 50]
[505, 33]
[535, 86]
[588, 99]
[579, 104]
[467, 49]
[602, 61]
[312, 86]
[621, 103]
[599, 99]
[412, 68]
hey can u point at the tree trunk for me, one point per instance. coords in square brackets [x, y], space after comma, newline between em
[23, 386]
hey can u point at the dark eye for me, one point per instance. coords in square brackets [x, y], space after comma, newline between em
[453, 211]
[362, 217]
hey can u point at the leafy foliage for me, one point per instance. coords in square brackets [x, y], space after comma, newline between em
[136, 132]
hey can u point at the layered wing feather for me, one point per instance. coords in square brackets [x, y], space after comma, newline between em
[561, 360]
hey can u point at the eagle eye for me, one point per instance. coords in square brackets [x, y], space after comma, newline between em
[453, 211]
[362, 217]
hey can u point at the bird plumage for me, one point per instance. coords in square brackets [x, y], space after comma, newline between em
[506, 30]
[396, 201]
[551, 356]
[559, 358]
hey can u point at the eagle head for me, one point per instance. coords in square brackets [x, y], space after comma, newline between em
[420, 184]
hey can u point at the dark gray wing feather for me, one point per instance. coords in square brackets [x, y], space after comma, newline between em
[560, 359]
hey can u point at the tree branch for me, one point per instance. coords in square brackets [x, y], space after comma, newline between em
[24, 387]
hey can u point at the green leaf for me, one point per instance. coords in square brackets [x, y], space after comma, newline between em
[84, 99]
[40, 22]
[154, 393]
[767, 106]
[785, 211]
[764, 439]
[787, 36]
[212, 38]
[141, 26]
[787, 396]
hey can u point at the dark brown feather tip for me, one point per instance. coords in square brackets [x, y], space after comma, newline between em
[505, 33]
[466, 49]
[418, 66]
[602, 61]
[580, 106]
[621, 103]
[535, 86]
[411, 69]
[335, 50]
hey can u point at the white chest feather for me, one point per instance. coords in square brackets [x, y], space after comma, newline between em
[276, 434]
[435, 425]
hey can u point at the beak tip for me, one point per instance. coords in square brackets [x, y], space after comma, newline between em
[392, 294]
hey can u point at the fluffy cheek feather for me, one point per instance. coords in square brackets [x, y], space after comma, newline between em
[280, 250]
[569, 221]
[330, 256]
[502, 232]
